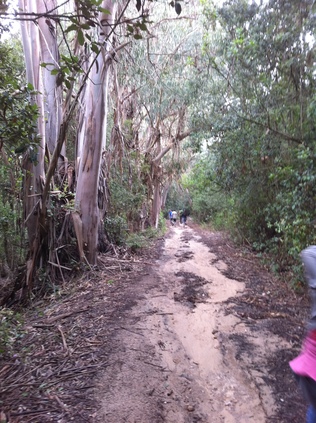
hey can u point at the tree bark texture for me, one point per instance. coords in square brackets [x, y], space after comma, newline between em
[91, 137]
[33, 160]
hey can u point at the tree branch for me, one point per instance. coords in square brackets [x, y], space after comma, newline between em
[275, 131]
[168, 147]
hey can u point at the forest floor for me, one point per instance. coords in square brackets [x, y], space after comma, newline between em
[193, 329]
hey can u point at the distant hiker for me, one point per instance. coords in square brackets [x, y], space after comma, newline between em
[304, 366]
[174, 217]
[183, 217]
[170, 215]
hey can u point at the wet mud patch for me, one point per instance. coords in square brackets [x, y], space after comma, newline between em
[268, 303]
[186, 237]
[243, 346]
[192, 292]
[184, 256]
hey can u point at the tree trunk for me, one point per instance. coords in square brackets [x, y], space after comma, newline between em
[92, 140]
[52, 92]
[40, 45]
[156, 207]
[34, 160]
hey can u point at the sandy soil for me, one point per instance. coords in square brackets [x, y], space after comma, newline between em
[194, 330]
[182, 331]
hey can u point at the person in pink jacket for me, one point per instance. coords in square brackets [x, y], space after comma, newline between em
[304, 366]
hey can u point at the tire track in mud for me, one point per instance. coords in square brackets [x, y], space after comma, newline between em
[174, 357]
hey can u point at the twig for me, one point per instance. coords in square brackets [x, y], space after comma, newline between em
[23, 376]
[160, 295]
[128, 330]
[79, 369]
[59, 266]
[63, 406]
[63, 337]
[155, 365]
[24, 413]
[62, 316]
[42, 326]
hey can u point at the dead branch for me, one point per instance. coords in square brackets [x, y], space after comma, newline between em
[63, 316]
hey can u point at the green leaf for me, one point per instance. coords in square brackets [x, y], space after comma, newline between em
[130, 28]
[85, 26]
[95, 48]
[80, 37]
[105, 11]
[143, 26]
[54, 72]
[66, 59]
[20, 149]
[72, 27]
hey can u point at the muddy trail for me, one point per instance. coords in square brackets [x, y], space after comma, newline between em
[194, 330]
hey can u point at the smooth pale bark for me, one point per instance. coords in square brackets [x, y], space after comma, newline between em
[34, 171]
[92, 137]
[52, 92]
[156, 207]
[164, 194]
[40, 46]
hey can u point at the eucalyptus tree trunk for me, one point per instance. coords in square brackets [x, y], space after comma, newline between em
[164, 193]
[92, 135]
[157, 200]
[175, 136]
[33, 160]
[39, 45]
[52, 91]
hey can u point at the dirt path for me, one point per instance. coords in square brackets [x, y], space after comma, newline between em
[193, 329]
[174, 358]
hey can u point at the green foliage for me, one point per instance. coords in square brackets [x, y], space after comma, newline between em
[139, 240]
[258, 92]
[178, 198]
[209, 204]
[17, 114]
[12, 248]
[116, 229]
[17, 134]
[291, 214]
[162, 227]
[127, 192]
[136, 241]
